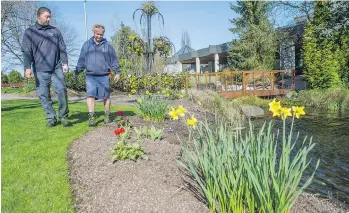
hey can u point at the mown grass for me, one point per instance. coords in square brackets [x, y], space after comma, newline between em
[12, 90]
[34, 175]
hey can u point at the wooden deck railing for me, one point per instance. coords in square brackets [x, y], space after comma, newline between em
[244, 83]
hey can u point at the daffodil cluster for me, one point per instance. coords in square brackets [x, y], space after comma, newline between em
[284, 112]
[180, 112]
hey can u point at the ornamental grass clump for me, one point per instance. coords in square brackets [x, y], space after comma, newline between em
[152, 108]
[252, 172]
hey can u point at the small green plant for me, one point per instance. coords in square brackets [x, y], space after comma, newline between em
[138, 132]
[154, 133]
[146, 132]
[152, 108]
[29, 86]
[141, 132]
[123, 151]
[122, 121]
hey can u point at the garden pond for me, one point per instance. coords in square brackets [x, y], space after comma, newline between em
[330, 132]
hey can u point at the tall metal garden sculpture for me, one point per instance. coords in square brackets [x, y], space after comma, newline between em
[150, 46]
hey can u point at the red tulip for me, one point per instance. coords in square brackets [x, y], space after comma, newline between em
[118, 131]
[119, 113]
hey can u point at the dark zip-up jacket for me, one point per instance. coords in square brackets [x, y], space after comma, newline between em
[98, 59]
[44, 47]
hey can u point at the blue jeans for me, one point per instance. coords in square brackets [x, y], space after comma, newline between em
[43, 83]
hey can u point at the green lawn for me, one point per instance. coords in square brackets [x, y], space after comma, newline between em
[34, 173]
[12, 90]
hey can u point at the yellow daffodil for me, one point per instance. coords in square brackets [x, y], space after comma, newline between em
[275, 107]
[276, 112]
[139, 101]
[129, 95]
[285, 112]
[173, 114]
[192, 122]
[298, 111]
[199, 102]
[181, 111]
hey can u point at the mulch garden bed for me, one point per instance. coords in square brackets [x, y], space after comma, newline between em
[155, 185]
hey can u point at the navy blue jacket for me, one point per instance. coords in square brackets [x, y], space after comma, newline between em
[98, 59]
[44, 47]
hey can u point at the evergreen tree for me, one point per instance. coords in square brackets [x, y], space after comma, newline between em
[325, 60]
[339, 20]
[255, 45]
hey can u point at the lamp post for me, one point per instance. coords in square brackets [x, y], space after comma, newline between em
[85, 20]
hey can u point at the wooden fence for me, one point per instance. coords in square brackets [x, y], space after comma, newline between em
[244, 83]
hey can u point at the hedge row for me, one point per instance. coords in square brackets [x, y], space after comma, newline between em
[133, 84]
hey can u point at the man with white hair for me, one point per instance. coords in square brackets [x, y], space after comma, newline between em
[99, 59]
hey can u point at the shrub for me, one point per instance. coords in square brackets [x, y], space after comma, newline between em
[79, 85]
[214, 103]
[29, 86]
[251, 100]
[4, 78]
[152, 108]
[134, 83]
[149, 82]
[334, 99]
[15, 77]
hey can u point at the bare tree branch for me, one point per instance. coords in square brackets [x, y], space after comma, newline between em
[297, 8]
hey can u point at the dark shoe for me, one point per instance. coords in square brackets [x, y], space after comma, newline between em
[107, 119]
[91, 119]
[51, 123]
[65, 122]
